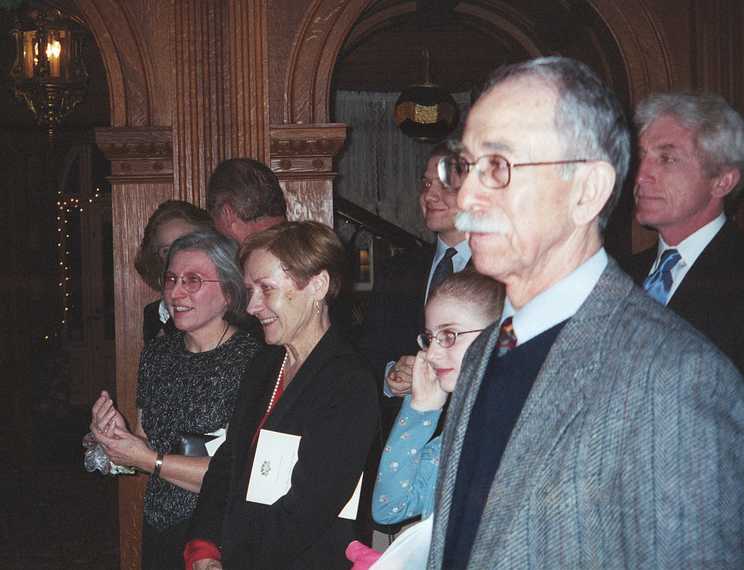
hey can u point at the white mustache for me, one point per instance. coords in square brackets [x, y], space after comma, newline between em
[480, 223]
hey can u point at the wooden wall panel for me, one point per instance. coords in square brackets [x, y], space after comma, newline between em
[221, 92]
[141, 178]
[132, 205]
[201, 113]
[249, 84]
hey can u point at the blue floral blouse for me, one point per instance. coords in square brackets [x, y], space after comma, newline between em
[408, 468]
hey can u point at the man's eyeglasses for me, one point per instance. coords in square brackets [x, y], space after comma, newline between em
[192, 282]
[494, 171]
[445, 338]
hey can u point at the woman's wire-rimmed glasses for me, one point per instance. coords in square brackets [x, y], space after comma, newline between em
[445, 338]
[192, 282]
[494, 171]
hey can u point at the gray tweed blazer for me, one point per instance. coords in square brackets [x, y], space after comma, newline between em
[628, 453]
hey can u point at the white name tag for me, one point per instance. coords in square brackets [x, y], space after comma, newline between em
[271, 474]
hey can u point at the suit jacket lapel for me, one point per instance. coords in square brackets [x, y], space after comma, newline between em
[706, 270]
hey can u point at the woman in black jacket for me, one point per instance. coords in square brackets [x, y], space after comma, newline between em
[310, 384]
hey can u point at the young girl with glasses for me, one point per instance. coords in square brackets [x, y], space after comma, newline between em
[462, 306]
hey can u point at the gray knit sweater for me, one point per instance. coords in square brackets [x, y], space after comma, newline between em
[181, 391]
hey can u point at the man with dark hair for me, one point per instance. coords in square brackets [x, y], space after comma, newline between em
[396, 309]
[244, 197]
[591, 427]
[691, 158]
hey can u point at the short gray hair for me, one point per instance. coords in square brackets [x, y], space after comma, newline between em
[718, 129]
[249, 186]
[223, 252]
[589, 119]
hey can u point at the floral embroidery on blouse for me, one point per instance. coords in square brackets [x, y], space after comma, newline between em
[408, 470]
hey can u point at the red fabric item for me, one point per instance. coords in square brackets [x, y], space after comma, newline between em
[198, 549]
[361, 555]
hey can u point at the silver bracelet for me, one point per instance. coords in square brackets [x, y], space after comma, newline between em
[158, 465]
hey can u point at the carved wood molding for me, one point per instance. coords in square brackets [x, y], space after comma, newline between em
[127, 70]
[302, 157]
[642, 44]
[306, 150]
[137, 155]
[313, 55]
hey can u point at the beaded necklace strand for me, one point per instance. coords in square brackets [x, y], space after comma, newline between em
[279, 379]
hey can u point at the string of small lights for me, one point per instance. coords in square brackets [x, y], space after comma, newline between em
[66, 206]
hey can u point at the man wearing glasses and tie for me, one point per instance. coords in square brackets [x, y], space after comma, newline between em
[591, 427]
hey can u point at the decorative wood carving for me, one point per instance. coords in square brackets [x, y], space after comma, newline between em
[127, 71]
[302, 157]
[326, 25]
[642, 43]
[138, 155]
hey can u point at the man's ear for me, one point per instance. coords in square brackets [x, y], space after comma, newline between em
[320, 284]
[725, 182]
[229, 213]
[593, 184]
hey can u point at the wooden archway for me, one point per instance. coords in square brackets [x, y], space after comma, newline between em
[328, 23]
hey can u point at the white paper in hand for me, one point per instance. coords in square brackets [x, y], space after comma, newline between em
[271, 474]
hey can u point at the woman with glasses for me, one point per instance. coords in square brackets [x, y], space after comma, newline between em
[462, 306]
[188, 384]
[171, 220]
[317, 396]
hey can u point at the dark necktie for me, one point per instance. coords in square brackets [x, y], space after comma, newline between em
[443, 269]
[507, 338]
[659, 283]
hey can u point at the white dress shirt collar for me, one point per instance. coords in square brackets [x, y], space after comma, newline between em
[689, 250]
[557, 303]
[693, 245]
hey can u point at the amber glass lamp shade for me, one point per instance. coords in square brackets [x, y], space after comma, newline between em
[426, 112]
[49, 74]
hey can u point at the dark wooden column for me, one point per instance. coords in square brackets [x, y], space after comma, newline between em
[221, 108]
[141, 178]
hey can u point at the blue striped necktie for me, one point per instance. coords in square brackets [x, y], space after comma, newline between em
[659, 283]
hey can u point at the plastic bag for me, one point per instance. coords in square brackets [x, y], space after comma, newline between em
[95, 459]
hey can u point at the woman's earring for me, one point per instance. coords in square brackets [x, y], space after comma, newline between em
[317, 306]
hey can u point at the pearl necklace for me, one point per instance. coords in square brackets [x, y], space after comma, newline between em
[279, 379]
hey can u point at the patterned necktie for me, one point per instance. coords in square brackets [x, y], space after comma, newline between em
[507, 339]
[443, 269]
[659, 283]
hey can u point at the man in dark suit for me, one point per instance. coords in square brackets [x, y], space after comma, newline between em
[396, 309]
[691, 154]
[592, 427]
